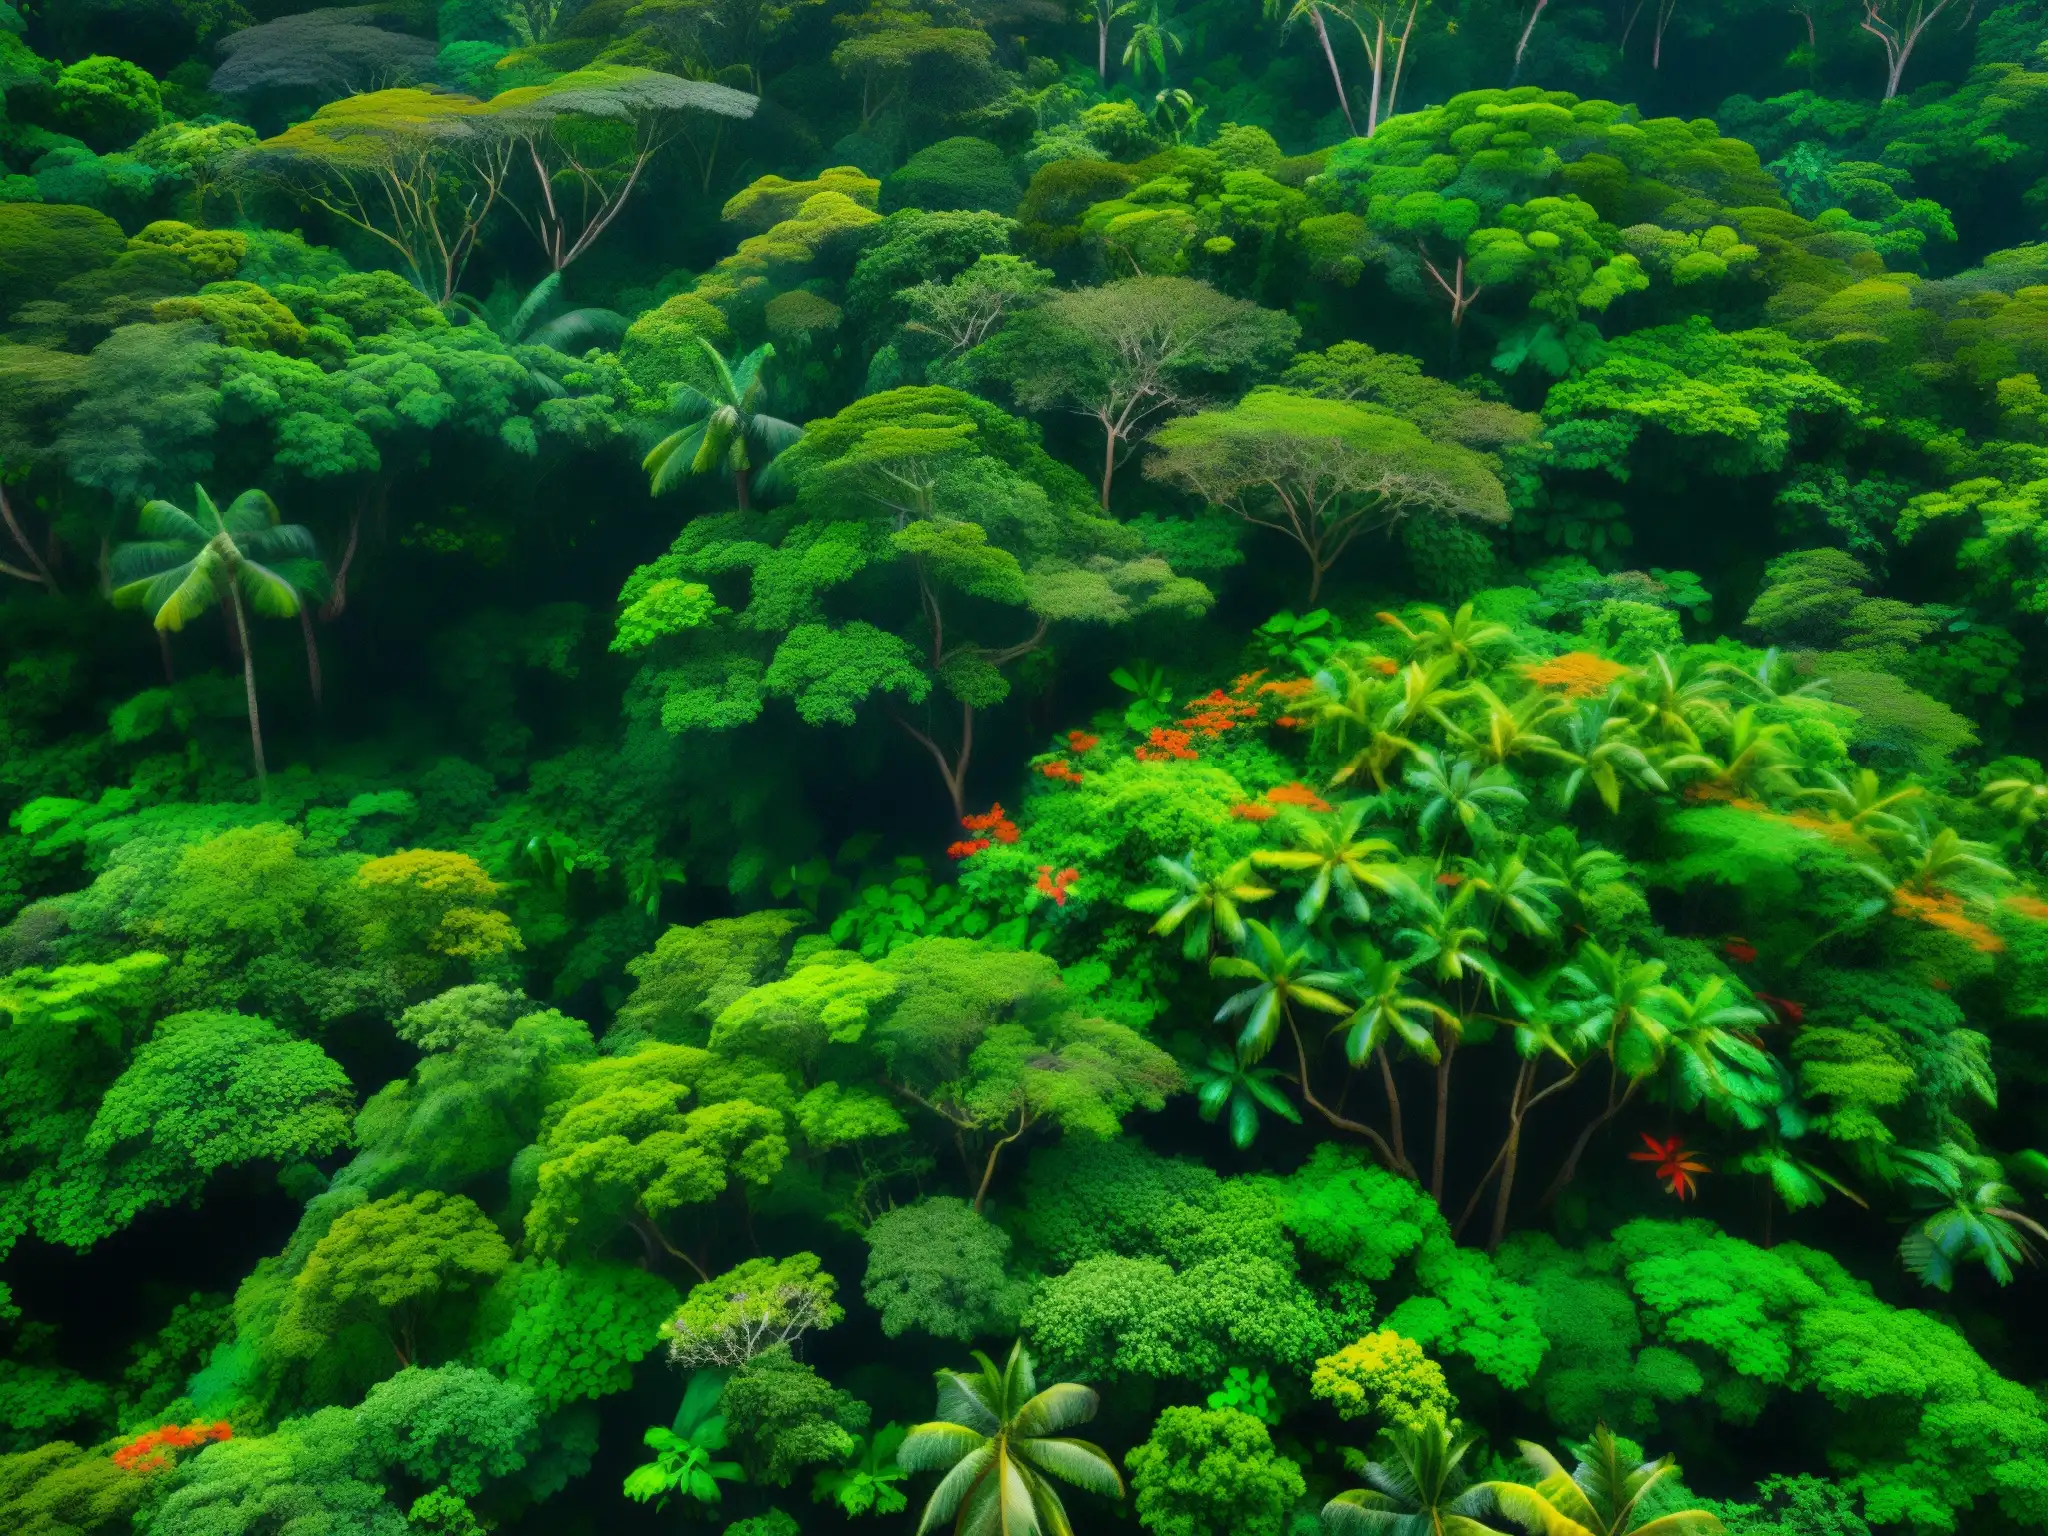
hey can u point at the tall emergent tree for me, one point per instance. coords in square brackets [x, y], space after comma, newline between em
[188, 561]
[931, 544]
[723, 425]
[1132, 352]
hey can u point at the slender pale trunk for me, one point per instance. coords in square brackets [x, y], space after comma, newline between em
[988, 1172]
[35, 560]
[249, 688]
[1379, 58]
[1400, 58]
[1388, 1155]
[1102, 20]
[1522, 43]
[163, 649]
[1336, 76]
[1109, 441]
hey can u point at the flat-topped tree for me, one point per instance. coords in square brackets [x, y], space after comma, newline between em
[931, 544]
[1130, 353]
[590, 134]
[417, 170]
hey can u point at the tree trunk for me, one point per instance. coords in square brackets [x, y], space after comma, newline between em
[1108, 463]
[163, 650]
[1522, 44]
[1449, 1048]
[988, 1171]
[1570, 1170]
[1330, 54]
[739, 485]
[34, 559]
[1393, 1109]
[312, 653]
[249, 688]
[1393, 1161]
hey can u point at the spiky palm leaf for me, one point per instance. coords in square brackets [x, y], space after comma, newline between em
[998, 1441]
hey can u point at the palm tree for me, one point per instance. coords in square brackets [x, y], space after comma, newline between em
[1355, 708]
[1616, 1013]
[1463, 637]
[1602, 1496]
[723, 426]
[1203, 904]
[1942, 860]
[1510, 731]
[1710, 1043]
[1673, 699]
[2021, 796]
[998, 1441]
[1516, 889]
[1330, 850]
[1284, 973]
[538, 320]
[1388, 1009]
[1465, 792]
[1861, 803]
[1757, 760]
[1421, 1489]
[1601, 747]
[1152, 41]
[1971, 1215]
[188, 561]
[1223, 1082]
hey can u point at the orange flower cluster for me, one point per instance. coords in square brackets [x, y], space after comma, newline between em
[1166, 746]
[1298, 795]
[1216, 713]
[999, 827]
[1946, 913]
[1251, 811]
[1581, 674]
[146, 1452]
[1061, 771]
[1056, 885]
[1082, 741]
[2027, 906]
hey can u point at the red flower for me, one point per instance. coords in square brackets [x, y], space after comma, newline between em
[1060, 770]
[1250, 812]
[1055, 885]
[1788, 1012]
[1166, 746]
[992, 821]
[1741, 951]
[1081, 741]
[967, 848]
[146, 1452]
[1675, 1165]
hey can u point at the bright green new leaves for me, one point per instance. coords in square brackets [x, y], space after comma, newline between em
[1421, 1486]
[659, 608]
[685, 1454]
[1206, 1472]
[384, 1264]
[751, 1309]
[623, 1151]
[784, 1417]
[1386, 1378]
[791, 1022]
[867, 1485]
[693, 974]
[1323, 472]
[210, 1090]
[937, 1267]
[998, 1441]
[1735, 401]
[453, 1425]
[1971, 1217]
[571, 1332]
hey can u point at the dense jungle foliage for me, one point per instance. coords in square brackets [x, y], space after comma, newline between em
[758, 753]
